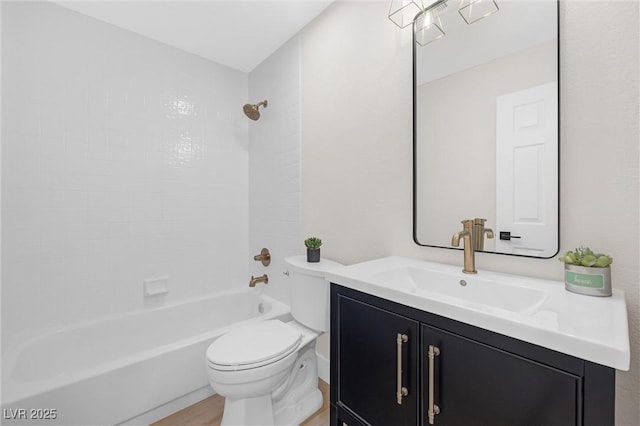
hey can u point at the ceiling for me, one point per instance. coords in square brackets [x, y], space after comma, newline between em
[237, 33]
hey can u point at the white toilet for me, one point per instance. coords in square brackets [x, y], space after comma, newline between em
[268, 371]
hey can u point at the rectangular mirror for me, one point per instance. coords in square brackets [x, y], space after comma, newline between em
[486, 127]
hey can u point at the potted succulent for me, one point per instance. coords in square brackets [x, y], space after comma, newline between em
[313, 249]
[586, 272]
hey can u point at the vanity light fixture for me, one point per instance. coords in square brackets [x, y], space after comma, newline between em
[475, 10]
[426, 16]
[403, 12]
[428, 26]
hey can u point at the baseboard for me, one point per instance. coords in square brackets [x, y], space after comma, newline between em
[323, 368]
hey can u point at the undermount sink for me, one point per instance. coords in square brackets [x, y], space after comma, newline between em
[470, 290]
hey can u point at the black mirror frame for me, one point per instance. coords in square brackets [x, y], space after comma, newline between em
[415, 147]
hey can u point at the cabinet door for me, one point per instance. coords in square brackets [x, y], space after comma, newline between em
[368, 364]
[475, 384]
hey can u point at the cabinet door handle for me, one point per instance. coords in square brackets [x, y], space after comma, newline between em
[401, 391]
[433, 409]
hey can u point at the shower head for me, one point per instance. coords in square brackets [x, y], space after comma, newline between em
[252, 111]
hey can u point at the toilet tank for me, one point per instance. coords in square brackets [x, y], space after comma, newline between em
[310, 291]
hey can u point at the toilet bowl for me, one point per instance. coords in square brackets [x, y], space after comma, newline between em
[267, 371]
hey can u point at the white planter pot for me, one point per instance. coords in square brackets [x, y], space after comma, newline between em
[587, 280]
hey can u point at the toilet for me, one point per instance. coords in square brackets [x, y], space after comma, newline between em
[268, 371]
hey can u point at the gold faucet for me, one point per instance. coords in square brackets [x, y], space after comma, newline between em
[469, 250]
[254, 280]
[479, 232]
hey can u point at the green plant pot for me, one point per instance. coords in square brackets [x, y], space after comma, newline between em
[313, 255]
[588, 281]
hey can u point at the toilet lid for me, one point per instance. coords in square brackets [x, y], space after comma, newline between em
[253, 345]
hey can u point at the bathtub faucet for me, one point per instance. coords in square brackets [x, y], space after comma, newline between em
[255, 280]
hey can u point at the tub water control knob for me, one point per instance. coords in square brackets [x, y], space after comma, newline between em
[264, 257]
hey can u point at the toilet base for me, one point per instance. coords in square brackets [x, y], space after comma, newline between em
[291, 403]
[248, 411]
[296, 414]
[258, 411]
[302, 397]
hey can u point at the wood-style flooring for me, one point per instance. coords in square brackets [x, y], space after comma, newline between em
[208, 412]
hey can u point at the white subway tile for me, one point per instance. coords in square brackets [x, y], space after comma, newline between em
[119, 169]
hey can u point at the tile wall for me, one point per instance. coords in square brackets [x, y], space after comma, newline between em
[274, 165]
[123, 160]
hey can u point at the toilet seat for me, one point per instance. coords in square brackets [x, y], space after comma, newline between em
[253, 346]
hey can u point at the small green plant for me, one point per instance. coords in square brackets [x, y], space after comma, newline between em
[584, 256]
[313, 243]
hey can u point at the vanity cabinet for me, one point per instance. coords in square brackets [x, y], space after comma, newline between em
[368, 364]
[478, 384]
[470, 376]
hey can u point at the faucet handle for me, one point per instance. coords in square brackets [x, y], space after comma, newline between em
[484, 231]
[264, 257]
[479, 233]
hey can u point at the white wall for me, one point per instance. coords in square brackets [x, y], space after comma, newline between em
[274, 166]
[123, 159]
[357, 139]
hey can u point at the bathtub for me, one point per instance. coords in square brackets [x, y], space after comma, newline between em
[115, 370]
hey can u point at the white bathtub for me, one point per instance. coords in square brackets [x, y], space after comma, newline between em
[117, 369]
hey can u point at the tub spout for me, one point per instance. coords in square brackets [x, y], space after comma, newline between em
[254, 280]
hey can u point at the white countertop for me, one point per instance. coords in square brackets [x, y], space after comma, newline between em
[591, 328]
